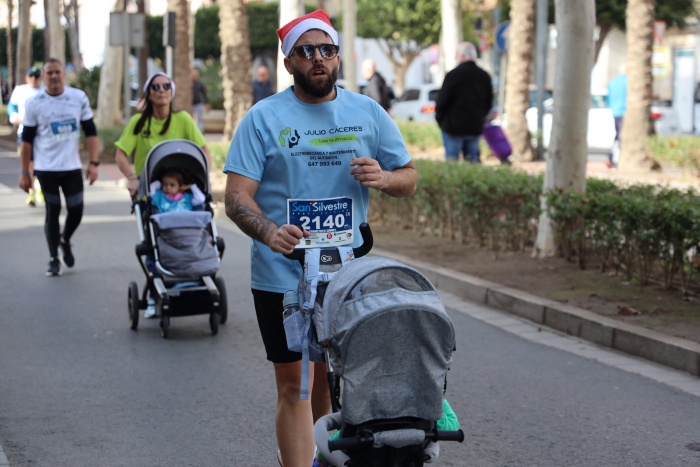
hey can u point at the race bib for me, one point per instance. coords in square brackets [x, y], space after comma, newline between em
[65, 129]
[329, 221]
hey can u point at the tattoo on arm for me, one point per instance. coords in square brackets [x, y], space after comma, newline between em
[251, 221]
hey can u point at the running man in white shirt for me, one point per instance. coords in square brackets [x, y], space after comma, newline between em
[52, 121]
[15, 110]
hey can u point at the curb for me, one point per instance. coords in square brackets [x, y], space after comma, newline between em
[677, 353]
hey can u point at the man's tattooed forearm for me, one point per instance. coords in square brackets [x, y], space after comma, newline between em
[252, 222]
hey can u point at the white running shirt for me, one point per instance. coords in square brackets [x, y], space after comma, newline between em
[57, 119]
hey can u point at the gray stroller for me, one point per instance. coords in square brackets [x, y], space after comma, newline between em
[179, 252]
[387, 342]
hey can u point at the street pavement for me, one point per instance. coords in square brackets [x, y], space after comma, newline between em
[529, 318]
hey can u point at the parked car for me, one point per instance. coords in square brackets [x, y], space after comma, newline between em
[416, 104]
[601, 124]
[665, 116]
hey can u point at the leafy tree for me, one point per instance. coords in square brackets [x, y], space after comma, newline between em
[404, 29]
[611, 14]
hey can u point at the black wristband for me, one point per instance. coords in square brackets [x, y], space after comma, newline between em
[95, 163]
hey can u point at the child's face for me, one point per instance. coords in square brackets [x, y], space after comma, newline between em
[170, 185]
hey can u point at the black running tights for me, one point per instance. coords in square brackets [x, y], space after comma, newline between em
[71, 183]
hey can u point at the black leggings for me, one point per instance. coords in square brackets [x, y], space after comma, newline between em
[71, 183]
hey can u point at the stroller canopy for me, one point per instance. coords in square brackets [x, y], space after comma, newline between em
[391, 340]
[177, 153]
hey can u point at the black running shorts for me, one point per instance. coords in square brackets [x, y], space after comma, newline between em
[268, 309]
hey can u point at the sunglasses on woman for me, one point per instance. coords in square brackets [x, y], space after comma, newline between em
[165, 86]
[328, 51]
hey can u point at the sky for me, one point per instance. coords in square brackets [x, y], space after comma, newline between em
[94, 24]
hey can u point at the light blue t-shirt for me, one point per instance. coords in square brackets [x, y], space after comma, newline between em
[297, 150]
[617, 95]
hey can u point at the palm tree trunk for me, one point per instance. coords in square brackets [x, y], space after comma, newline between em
[289, 10]
[451, 33]
[521, 41]
[10, 47]
[24, 40]
[57, 38]
[181, 55]
[71, 14]
[108, 100]
[236, 61]
[637, 126]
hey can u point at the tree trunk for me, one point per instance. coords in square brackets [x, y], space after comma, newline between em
[111, 75]
[71, 14]
[637, 125]
[602, 35]
[348, 50]
[10, 48]
[451, 33]
[181, 55]
[568, 148]
[521, 42]
[236, 63]
[289, 10]
[24, 40]
[57, 38]
[143, 51]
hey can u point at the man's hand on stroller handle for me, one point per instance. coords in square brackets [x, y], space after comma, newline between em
[285, 238]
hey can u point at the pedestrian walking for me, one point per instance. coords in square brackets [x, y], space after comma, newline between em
[200, 101]
[15, 110]
[313, 140]
[376, 84]
[262, 87]
[617, 101]
[52, 122]
[463, 104]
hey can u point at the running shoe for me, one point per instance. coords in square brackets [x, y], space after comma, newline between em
[68, 257]
[150, 309]
[39, 194]
[54, 268]
[31, 200]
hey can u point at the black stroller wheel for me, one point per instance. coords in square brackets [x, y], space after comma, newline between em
[134, 305]
[214, 322]
[223, 300]
[164, 326]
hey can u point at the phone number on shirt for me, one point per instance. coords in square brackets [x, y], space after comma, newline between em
[324, 163]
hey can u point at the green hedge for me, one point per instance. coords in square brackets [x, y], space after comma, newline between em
[643, 231]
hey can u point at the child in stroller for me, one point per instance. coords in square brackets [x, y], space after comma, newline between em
[385, 335]
[180, 250]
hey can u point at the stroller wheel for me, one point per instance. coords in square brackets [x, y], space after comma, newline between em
[223, 300]
[164, 326]
[214, 322]
[134, 305]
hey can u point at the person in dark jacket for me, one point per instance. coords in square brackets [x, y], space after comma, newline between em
[464, 102]
[262, 87]
[200, 102]
[376, 84]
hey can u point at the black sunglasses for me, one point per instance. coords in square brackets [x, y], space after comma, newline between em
[328, 51]
[156, 87]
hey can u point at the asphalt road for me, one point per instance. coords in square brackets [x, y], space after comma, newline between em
[79, 388]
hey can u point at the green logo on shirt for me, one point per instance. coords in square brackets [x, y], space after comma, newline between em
[292, 139]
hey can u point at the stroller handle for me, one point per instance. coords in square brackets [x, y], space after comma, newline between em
[369, 440]
[362, 250]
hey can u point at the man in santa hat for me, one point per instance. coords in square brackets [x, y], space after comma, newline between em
[311, 141]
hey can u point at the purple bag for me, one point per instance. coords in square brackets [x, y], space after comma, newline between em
[497, 141]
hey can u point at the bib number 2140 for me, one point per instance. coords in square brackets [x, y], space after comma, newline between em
[328, 220]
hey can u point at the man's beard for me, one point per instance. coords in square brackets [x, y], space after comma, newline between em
[316, 89]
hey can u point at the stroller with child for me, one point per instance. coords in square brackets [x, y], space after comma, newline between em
[387, 342]
[179, 252]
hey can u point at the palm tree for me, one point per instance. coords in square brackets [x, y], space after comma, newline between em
[57, 38]
[568, 150]
[289, 10]
[236, 63]
[71, 14]
[108, 94]
[521, 41]
[182, 65]
[24, 40]
[637, 125]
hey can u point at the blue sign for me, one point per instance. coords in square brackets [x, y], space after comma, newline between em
[501, 32]
[328, 220]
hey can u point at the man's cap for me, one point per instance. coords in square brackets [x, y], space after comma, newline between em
[147, 84]
[34, 71]
[290, 33]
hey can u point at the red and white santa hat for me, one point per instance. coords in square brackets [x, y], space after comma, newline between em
[290, 33]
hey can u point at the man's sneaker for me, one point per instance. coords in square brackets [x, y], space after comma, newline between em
[31, 200]
[39, 193]
[68, 258]
[150, 309]
[54, 268]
